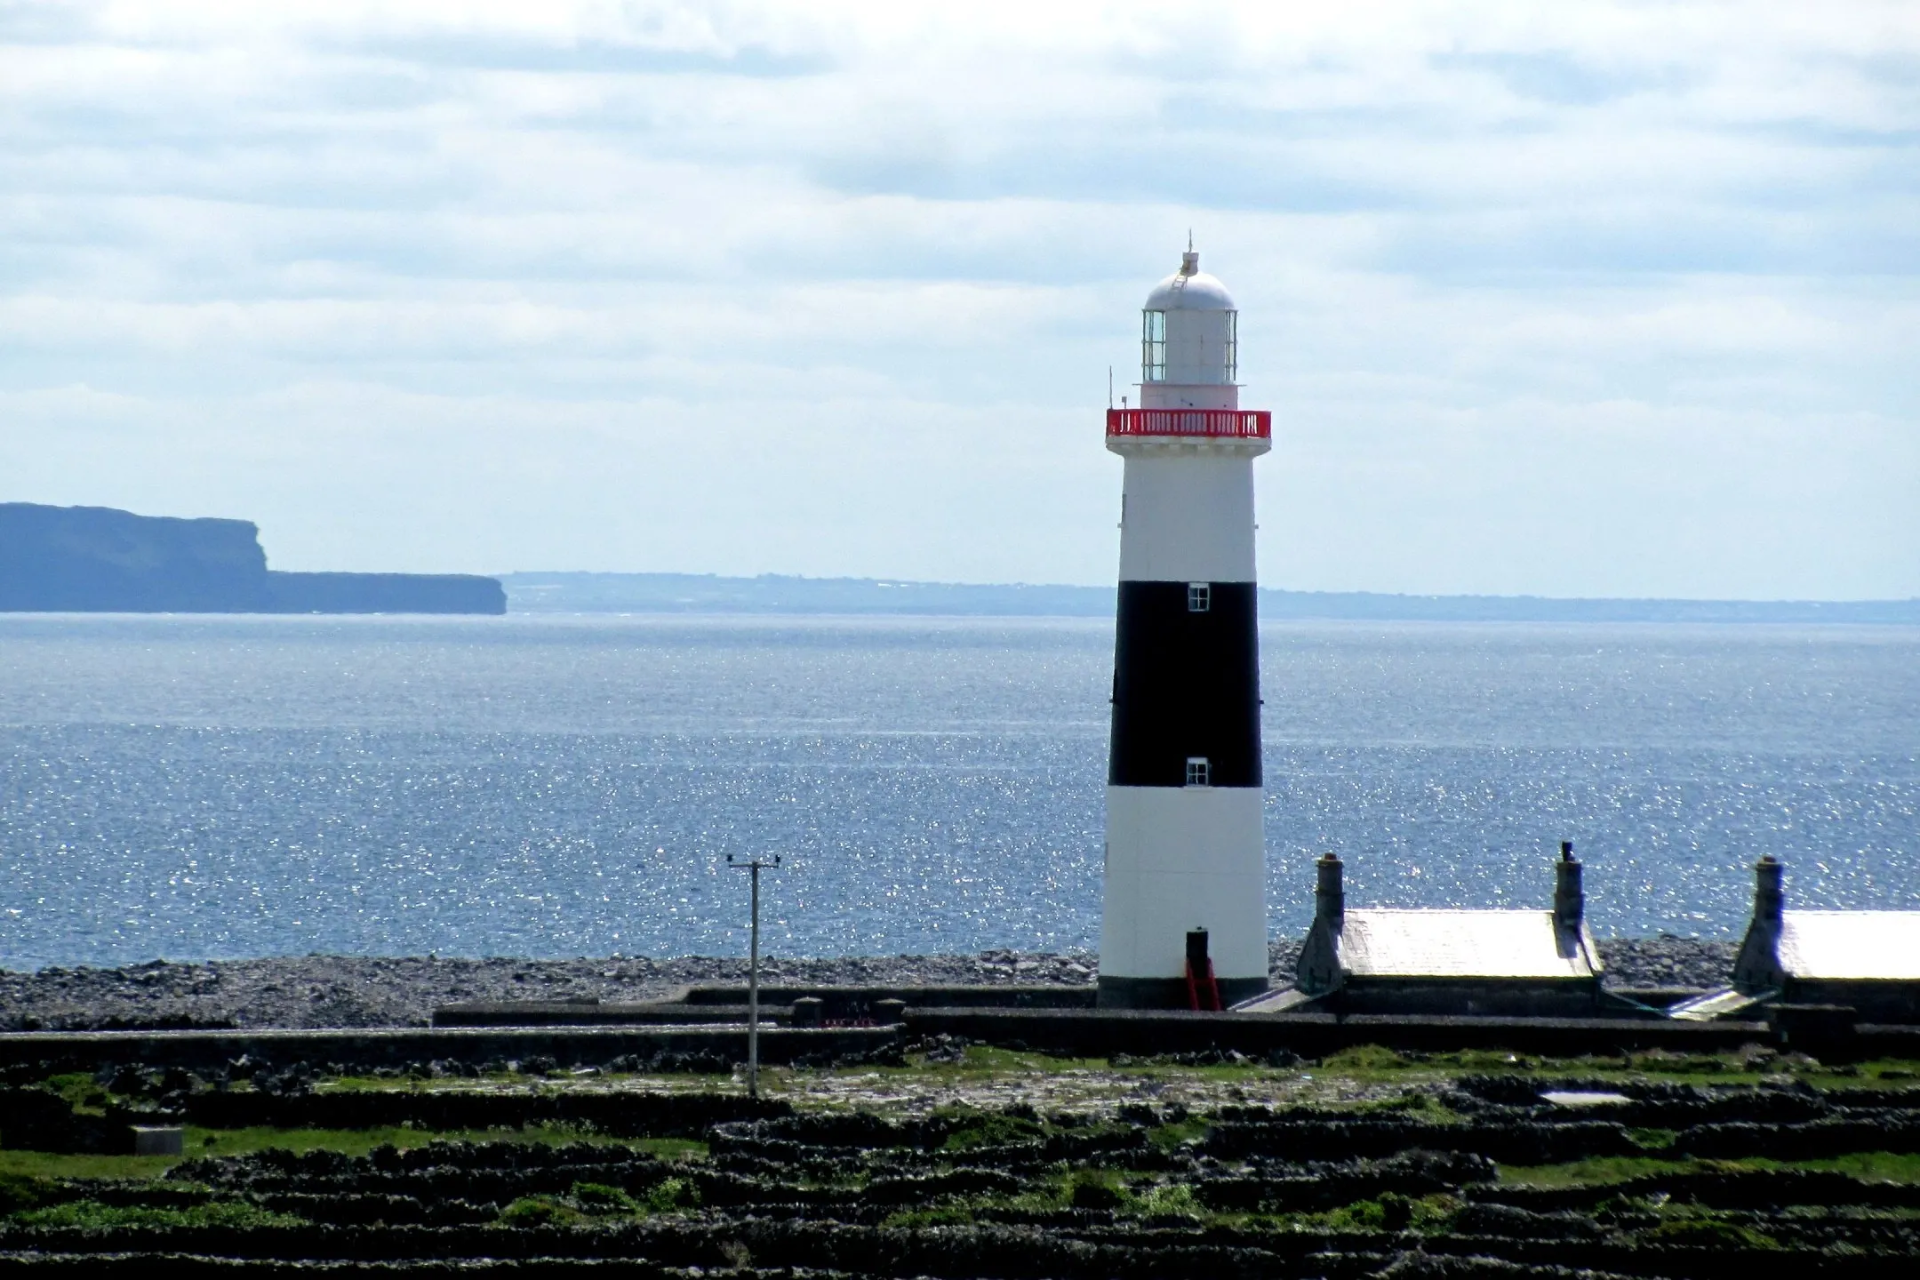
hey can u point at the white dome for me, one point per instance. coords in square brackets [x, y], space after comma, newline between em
[1190, 289]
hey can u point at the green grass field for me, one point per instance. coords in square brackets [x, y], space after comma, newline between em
[1368, 1078]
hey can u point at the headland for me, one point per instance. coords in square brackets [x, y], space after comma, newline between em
[99, 560]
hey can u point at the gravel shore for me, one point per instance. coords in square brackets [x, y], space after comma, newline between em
[351, 991]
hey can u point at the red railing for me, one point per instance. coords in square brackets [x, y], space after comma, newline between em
[1237, 423]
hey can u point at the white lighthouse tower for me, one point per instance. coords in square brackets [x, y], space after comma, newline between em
[1184, 921]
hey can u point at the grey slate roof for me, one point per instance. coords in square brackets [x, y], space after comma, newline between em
[1384, 943]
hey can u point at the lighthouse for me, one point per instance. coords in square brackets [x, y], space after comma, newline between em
[1184, 920]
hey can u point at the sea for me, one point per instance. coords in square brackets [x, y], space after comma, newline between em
[192, 788]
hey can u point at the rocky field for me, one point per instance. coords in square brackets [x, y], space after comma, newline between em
[345, 991]
[971, 1162]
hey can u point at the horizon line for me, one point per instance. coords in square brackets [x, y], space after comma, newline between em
[891, 582]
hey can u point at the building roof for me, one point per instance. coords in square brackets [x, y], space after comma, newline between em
[1850, 945]
[1196, 292]
[1463, 944]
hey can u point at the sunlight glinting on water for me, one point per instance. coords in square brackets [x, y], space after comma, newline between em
[197, 787]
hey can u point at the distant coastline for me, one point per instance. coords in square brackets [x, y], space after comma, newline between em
[100, 560]
[529, 592]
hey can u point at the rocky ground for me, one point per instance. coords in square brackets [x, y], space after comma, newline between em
[350, 991]
[1423, 1173]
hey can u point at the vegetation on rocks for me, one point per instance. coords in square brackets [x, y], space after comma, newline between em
[976, 1162]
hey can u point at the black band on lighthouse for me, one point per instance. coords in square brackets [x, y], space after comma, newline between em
[1186, 684]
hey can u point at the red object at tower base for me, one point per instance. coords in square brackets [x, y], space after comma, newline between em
[1203, 989]
[1220, 423]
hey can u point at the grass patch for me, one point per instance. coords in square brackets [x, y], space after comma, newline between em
[976, 1129]
[93, 1214]
[1166, 1199]
[598, 1197]
[1094, 1189]
[352, 1142]
[47, 1164]
[1169, 1136]
[358, 1142]
[1707, 1230]
[81, 1092]
[1599, 1171]
[1365, 1060]
[669, 1195]
[1893, 1071]
[541, 1211]
[1362, 1065]
[1883, 1073]
[1390, 1213]
[588, 1202]
[985, 1058]
[1375, 1064]
[19, 1191]
[1868, 1166]
[947, 1215]
[1415, 1105]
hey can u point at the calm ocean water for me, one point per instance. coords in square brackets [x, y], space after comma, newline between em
[554, 786]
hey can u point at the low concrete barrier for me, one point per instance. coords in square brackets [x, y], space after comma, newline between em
[840, 1001]
[568, 1046]
[578, 1013]
[1077, 1032]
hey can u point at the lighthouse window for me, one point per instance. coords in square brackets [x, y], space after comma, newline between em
[1199, 772]
[1233, 346]
[1153, 346]
[1199, 597]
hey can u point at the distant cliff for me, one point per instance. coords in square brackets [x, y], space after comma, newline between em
[95, 559]
[385, 593]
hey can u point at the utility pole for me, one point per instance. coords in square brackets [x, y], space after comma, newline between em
[753, 867]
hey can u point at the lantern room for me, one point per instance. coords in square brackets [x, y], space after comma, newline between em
[1189, 331]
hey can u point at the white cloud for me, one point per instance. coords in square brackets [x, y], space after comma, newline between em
[834, 288]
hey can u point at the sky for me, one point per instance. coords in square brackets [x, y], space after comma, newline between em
[1592, 299]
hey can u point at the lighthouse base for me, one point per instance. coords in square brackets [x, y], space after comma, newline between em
[1171, 993]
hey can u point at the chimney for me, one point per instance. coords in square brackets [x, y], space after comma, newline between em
[1569, 898]
[1329, 894]
[1769, 900]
